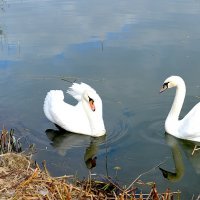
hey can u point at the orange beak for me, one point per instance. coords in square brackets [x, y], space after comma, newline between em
[92, 106]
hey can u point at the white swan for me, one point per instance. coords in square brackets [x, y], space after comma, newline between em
[189, 127]
[83, 118]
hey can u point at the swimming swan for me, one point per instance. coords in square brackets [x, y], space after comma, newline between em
[189, 127]
[83, 118]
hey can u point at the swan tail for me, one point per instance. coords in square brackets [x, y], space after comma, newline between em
[76, 90]
[52, 98]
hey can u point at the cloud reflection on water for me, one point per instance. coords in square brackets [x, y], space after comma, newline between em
[44, 30]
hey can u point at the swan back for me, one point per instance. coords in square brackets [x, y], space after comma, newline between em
[51, 99]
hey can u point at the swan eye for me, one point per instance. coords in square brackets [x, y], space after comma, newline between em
[164, 87]
[90, 99]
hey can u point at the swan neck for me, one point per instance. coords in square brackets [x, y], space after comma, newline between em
[95, 120]
[178, 102]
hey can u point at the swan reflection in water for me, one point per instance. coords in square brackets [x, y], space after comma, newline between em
[63, 140]
[179, 146]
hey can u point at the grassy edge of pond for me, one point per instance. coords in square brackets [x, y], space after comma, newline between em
[22, 178]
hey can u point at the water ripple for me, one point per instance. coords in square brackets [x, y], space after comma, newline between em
[119, 131]
[144, 123]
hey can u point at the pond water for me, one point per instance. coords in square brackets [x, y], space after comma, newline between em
[125, 50]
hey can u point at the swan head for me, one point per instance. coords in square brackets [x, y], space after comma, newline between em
[92, 99]
[92, 105]
[170, 82]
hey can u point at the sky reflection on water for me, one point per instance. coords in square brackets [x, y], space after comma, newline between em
[125, 50]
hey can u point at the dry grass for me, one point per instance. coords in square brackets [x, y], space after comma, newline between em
[22, 179]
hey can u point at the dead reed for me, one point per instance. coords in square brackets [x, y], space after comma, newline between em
[22, 179]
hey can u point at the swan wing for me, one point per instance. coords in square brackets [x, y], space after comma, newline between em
[190, 124]
[71, 118]
[76, 90]
[50, 100]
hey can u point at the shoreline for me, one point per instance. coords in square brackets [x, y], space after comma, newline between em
[22, 178]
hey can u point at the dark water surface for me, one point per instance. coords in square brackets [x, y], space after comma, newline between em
[125, 50]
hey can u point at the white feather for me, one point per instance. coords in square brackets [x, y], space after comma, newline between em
[189, 127]
[79, 118]
[76, 90]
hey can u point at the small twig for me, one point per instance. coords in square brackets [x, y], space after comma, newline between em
[195, 149]
[114, 195]
[29, 164]
[114, 184]
[106, 158]
[64, 177]
[8, 174]
[36, 171]
[3, 189]
[58, 192]
[127, 189]
[45, 167]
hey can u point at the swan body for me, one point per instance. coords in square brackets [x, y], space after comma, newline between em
[83, 118]
[187, 128]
